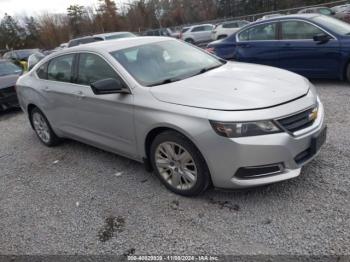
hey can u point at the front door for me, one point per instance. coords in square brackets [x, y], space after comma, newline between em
[106, 120]
[301, 54]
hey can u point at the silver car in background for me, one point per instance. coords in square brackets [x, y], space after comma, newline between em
[194, 119]
[197, 34]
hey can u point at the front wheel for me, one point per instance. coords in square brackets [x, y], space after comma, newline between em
[179, 164]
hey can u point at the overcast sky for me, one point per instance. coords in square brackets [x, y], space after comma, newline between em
[31, 7]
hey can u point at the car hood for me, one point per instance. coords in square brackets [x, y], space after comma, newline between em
[8, 80]
[235, 86]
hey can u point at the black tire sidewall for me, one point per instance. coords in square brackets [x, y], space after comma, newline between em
[54, 140]
[203, 176]
[348, 72]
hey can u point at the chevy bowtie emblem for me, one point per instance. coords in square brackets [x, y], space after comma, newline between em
[313, 115]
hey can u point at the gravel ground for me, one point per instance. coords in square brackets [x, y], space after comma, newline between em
[75, 199]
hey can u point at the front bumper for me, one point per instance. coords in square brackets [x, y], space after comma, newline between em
[227, 157]
[8, 98]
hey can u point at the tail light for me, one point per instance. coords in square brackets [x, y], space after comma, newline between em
[210, 50]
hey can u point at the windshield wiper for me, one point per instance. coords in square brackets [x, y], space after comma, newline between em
[206, 69]
[165, 81]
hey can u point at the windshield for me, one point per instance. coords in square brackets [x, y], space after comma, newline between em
[7, 68]
[165, 62]
[333, 24]
[116, 36]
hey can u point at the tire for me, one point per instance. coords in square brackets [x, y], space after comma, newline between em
[185, 172]
[348, 72]
[43, 128]
[190, 41]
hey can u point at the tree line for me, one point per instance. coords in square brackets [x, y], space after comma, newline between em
[48, 30]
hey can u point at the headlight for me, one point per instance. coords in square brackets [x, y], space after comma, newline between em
[244, 129]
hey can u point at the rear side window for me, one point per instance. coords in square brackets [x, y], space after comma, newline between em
[60, 68]
[259, 33]
[198, 29]
[42, 71]
[93, 68]
[292, 30]
[325, 11]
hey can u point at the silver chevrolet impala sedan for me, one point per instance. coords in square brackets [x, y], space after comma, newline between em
[193, 119]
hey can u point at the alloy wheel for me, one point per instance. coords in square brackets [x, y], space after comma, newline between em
[176, 165]
[41, 127]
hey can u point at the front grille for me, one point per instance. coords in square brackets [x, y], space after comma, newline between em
[298, 121]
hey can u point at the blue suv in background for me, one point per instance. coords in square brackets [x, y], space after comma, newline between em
[312, 45]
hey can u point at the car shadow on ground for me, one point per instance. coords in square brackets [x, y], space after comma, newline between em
[9, 113]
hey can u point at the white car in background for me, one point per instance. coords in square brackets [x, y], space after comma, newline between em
[197, 34]
[225, 29]
[265, 17]
[114, 35]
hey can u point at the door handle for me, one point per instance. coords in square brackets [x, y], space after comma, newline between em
[245, 45]
[79, 94]
[46, 89]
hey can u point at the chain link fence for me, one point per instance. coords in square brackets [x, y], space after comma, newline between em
[254, 17]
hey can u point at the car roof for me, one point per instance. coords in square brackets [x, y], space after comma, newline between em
[81, 38]
[200, 25]
[115, 45]
[109, 34]
[286, 17]
[316, 8]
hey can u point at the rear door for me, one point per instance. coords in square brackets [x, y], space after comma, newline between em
[207, 33]
[59, 92]
[257, 44]
[301, 54]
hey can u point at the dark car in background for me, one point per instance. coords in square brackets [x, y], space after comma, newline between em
[20, 57]
[9, 74]
[313, 45]
[99, 37]
[161, 32]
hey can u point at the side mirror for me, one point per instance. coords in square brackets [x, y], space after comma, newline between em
[322, 38]
[108, 86]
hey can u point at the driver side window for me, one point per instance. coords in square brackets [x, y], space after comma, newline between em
[93, 68]
[294, 30]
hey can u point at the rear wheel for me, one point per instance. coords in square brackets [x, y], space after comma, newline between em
[348, 72]
[43, 129]
[179, 164]
[189, 40]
